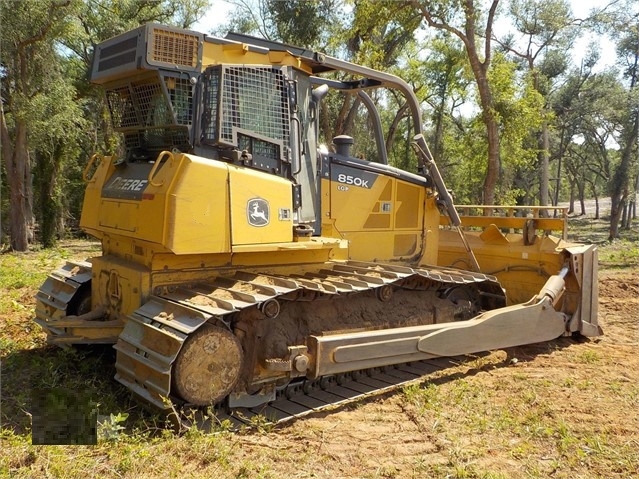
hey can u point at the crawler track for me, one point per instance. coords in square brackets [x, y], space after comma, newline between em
[302, 398]
[156, 332]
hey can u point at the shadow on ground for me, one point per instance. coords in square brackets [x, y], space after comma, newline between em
[88, 371]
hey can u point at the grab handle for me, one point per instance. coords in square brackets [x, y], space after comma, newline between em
[85, 173]
[156, 165]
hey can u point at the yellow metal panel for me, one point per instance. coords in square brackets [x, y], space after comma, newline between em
[119, 215]
[198, 218]
[521, 269]
[356, 209]
[140, 218]
[405, 245]
[110, 216]
[261, 207]
[378, 221]
[492, 235]
[382, 221]
[184, 206]
[120, 285]
[214, 54]
[90, 220]
[409, 200]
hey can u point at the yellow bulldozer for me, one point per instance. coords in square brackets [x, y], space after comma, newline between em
[241, 256]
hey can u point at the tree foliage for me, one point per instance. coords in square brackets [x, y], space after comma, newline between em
[503, 112]
[546, 30]
[31, 81]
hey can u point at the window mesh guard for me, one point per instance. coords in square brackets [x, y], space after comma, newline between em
[240, 100]
[150, 120]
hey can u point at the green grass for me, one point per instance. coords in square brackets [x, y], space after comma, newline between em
[620, 253]
[531, 427]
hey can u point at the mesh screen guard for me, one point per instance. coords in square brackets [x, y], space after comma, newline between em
[154, 113]
[144, 103]
[241, 101]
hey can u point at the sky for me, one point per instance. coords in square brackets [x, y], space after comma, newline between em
[217, 15]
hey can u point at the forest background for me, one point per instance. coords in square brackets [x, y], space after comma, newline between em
[510, 115]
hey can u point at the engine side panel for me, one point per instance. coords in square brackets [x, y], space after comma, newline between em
[384, 213]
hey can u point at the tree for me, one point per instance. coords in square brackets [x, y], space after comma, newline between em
[444, 15]
[520, 108]
[305, 24]
[620, 19]
[628, 49]
[447, 77]
[29, 30]
[546, 30]
[590, 109]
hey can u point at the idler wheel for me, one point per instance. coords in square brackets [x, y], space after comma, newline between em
[208, 367]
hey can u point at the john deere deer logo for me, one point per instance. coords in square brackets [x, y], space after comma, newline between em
[257, 212]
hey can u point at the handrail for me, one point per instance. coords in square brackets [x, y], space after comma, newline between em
[509, 220]
[563, 209]
[157, 163]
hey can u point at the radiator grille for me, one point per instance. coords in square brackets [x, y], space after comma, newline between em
[157, 139]
[176, 48]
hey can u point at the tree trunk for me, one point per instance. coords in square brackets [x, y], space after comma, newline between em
[480, 68]
[29, 217]
[544, 166]
[620, 186]
[634, 199]
[571, 208]
[616, 211]
[558, 184]
[49, 200]
[494, 163]
[492, 127]
[392, 130]
[625, 216]
[325, 126]
[582, 197]
[620, 178]
[349, 121]
[438, 140]
[16, 158]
